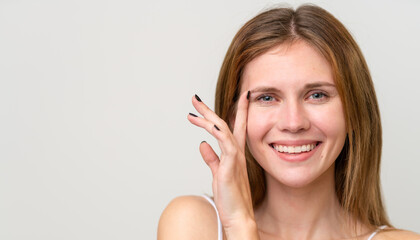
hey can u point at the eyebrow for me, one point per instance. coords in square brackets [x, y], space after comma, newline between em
[307, 86]
[319, 84]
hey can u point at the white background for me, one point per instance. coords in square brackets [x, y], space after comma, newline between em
[94, 95]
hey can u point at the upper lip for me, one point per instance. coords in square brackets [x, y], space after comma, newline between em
[294, 142]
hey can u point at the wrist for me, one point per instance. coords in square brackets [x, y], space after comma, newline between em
[246, 229]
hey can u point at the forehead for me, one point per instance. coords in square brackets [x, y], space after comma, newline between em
[291, 63]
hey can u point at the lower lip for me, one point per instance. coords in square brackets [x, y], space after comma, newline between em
[296, 157]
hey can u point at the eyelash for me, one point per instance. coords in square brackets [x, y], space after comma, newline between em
[324, 96]
[261, 98]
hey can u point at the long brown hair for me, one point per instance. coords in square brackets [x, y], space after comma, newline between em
[357, 167]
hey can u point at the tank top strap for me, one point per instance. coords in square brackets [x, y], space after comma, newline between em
[375, 232]
[219, 223]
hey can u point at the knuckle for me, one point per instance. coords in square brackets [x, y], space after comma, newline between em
[224, 124]
[223, 136]
[232, 151]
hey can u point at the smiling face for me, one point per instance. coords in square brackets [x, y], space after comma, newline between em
[296, 126]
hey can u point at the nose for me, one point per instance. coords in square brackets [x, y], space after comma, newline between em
[293, 117]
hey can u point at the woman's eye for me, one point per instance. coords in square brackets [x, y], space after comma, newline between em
[265, 98]
[318, 96]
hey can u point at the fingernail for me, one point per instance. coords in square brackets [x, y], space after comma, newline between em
[216, 128]
[192, 114]
[203, 142]
[247, 96]
[198, 98]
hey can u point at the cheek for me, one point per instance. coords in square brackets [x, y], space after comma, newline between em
[260, 121]
[330, 120]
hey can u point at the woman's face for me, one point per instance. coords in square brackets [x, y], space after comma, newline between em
[296, 126]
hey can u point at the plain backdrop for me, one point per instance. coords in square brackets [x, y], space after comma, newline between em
[94, 97]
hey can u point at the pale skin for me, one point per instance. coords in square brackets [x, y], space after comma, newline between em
[290, 115]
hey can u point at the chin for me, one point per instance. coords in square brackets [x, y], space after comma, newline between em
[300, 177]
[295, 181]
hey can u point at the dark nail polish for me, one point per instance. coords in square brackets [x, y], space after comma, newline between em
[247, 96]
[216, 128]
[192, 114]
[198, 98]
[203, 142]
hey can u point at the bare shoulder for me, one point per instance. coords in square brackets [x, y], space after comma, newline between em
[396, 234]
[188, 217]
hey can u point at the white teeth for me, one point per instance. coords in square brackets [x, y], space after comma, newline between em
[291, 149]
[294, 149]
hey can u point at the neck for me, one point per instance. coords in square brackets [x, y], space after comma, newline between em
[309, 212]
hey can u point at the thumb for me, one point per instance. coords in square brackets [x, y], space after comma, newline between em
[210, 157]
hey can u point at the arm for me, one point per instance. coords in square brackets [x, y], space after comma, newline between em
[188, 217]
[231, 189]
[396, 234]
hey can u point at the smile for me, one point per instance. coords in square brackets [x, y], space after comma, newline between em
[294, 149]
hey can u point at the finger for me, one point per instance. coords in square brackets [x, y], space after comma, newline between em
[207, 113]
[210, 157]
[239, 129]
[215, 126]
[203, 123]
[224, 137]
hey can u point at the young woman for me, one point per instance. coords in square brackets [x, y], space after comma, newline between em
[299, 130]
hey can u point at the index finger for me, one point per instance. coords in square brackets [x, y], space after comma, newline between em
[239, 129]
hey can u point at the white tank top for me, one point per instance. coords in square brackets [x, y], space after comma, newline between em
[220, 228]
[219, 223]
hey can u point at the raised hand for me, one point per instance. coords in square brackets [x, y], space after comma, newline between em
[231, 189]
